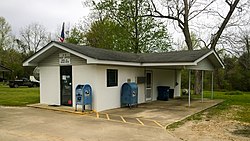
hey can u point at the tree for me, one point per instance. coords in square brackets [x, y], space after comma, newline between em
[76, 36]
[5, 30]
[140, 34]
[33, 37]
[183, 11]
[109, 35]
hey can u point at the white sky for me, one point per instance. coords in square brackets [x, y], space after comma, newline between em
[49, 13]
[52, 13]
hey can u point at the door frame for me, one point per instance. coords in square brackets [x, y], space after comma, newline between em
[151, 85]
[61, 86]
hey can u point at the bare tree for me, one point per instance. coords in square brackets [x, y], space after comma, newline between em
[33, 37]
[182, 12]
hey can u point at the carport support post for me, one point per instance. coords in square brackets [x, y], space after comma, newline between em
[189, 85]
[212, 86]
[202, 74]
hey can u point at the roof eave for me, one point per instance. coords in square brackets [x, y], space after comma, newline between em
[168, 64]
[30, 61]
[209, 53]
[108, 62]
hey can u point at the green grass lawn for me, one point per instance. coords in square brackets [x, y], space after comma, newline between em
[234, 100]
[236, 104]
[18, 96]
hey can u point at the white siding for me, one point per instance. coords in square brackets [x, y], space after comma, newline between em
[50, 85]
[202, 65]
[85, 74]
[50, 77]
[109, 97]
[162, 78]
[53, 60]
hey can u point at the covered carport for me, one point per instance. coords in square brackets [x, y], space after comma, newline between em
[197, 60]
[209, 62]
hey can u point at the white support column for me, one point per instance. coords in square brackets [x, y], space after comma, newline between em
[189, 87]
[202, 74]
[212, 86]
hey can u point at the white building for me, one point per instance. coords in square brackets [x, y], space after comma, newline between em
[63, 66]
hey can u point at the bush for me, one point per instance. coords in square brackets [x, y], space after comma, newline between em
[234, 93]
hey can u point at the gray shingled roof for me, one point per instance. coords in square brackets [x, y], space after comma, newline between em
[102, 54]
[3, 68]
[110, 55]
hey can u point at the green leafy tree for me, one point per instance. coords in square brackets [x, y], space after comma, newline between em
[76, 36]
[109, 35]
[120, 27]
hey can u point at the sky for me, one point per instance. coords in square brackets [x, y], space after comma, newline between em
[49, 13]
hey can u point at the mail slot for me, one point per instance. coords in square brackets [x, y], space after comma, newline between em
[83, 95]
[129, 94]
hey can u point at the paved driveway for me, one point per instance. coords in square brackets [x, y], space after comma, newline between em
[29, 124]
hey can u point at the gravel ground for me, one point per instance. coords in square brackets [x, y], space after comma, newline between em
[216, 128]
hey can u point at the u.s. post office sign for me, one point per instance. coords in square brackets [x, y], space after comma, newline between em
[64, 59]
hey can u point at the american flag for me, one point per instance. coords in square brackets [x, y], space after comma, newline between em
[62, 34]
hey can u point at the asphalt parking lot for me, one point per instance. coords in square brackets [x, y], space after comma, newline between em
[29, 124]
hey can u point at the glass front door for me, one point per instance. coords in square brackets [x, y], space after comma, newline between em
[148, 85]
[66, 85]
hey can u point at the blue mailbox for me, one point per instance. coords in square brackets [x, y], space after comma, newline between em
[129, 94]
[83, 96]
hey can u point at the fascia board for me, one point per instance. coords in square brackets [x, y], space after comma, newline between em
[218, 58]
[169, 64]
[203, 57]
[27, 62]
[206, 55]
[106, 62]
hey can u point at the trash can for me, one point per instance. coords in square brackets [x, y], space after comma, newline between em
[163, 93]
[129, 94]
[171, 93]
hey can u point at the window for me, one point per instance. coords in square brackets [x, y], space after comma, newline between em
[112, 77]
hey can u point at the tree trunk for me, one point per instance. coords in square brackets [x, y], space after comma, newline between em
[136, 28]
[215, 39]
[197, 82]
[218, 79]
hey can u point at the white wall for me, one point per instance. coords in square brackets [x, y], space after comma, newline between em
[162, 77]
[50, 85]
[85, 74]
[202, 65]
[109, 97]
[50, 77]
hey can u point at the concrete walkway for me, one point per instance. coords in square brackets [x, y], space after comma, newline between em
[155, 114]
[165, 112]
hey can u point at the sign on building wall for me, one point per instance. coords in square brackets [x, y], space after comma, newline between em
[64, 58]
